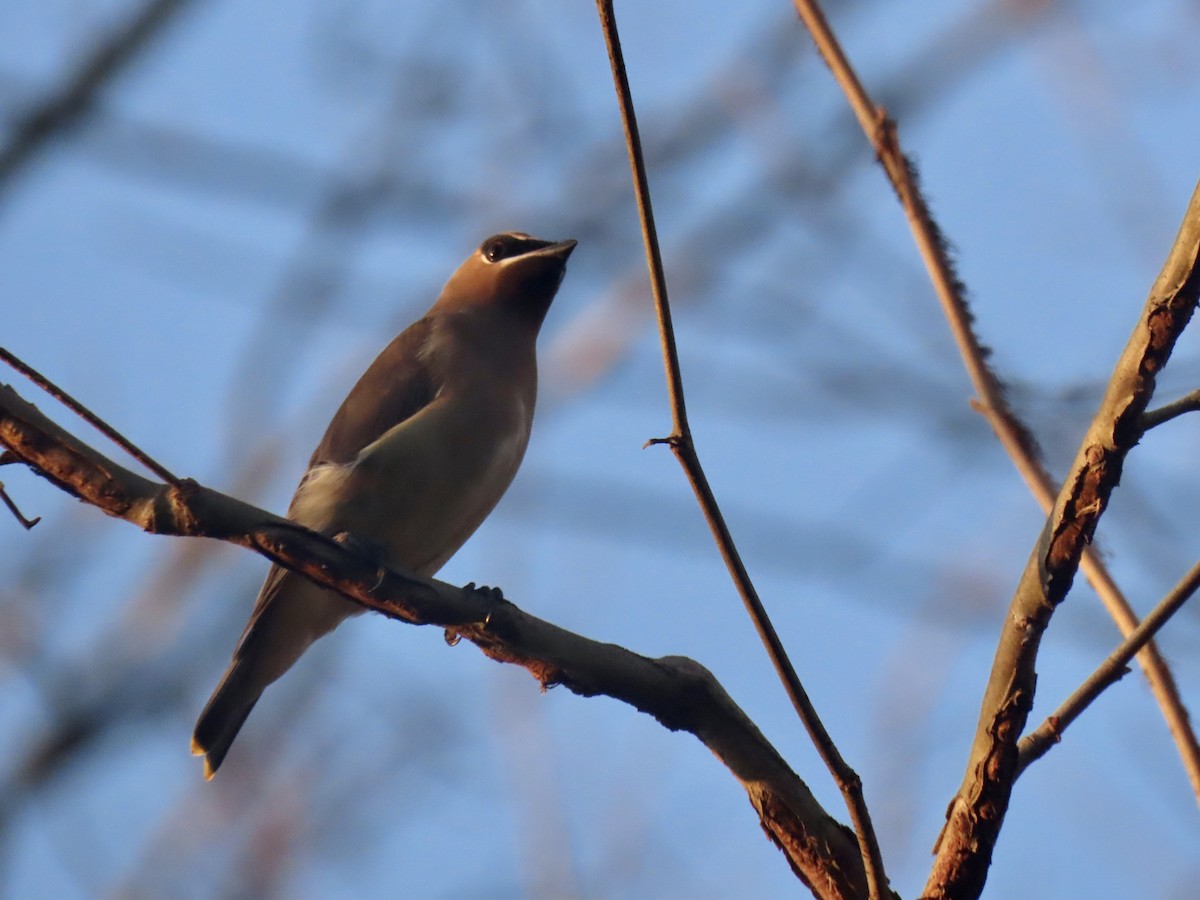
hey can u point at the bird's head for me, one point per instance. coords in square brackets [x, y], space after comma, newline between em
[512, 271]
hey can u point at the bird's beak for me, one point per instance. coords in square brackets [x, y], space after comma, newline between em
[561, 249]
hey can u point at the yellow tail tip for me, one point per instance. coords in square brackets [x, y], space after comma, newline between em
[197, 750]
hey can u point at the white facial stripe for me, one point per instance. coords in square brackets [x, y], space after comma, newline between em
[481, 253]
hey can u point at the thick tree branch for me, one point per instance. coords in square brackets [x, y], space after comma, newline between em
[964, 849]
[678, 692]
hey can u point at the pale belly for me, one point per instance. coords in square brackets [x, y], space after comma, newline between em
[422, 489]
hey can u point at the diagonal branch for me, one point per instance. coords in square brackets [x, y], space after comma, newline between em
[88, 416]
[1036, 744]
[678, 692]
[992, 402]
[1189, 402]
[977, 812]
[684, 448]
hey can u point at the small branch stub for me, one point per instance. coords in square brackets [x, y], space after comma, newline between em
[12, 507]
[673, 441]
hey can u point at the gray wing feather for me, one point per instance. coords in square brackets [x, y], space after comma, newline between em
[395, 387]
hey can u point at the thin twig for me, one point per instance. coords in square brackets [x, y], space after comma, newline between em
[1035, 744]
[1165, 413]
[88, 416]
[680, 441]
[992, 402]
[12, 508]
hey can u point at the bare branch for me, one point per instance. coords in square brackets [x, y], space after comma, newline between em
[992, 401]
[15, 510]
[88, 416]
[1035, 744]
[679, 693]
[1187, 403]
[681, 443]
[976, 814]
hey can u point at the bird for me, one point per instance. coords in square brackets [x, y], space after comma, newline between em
[416, 457]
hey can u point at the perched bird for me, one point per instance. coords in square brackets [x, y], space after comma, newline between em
[417, 456]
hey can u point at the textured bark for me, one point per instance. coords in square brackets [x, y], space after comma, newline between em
[964, 849]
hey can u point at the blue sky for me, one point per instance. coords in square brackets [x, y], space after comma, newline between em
[270, 191]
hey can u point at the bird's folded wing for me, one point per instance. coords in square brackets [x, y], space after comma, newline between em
[395, 387]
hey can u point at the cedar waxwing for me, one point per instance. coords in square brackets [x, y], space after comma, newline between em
[418, 454]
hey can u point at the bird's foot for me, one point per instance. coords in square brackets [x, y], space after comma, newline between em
[370, 550]
[491, 594]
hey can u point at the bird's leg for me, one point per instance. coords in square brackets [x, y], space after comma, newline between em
[490, 595]
[370, 550]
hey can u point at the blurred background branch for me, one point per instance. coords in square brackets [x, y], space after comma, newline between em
[103, 62]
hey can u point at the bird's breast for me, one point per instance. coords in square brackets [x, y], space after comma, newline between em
[423, 488]
[320, 496]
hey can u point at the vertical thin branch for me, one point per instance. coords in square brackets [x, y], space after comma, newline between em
[681, 443]
[992, 403]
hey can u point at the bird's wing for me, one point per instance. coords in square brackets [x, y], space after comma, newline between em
[395, 387]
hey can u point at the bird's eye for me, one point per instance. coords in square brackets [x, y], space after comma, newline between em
[494, 252]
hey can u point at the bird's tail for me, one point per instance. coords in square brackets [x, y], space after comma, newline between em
[225, 714]
[290, 614]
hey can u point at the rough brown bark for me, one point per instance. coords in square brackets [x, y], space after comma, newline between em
[964, 849]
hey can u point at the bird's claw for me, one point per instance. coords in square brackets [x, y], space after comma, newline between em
[372, 551]
[491, 594]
